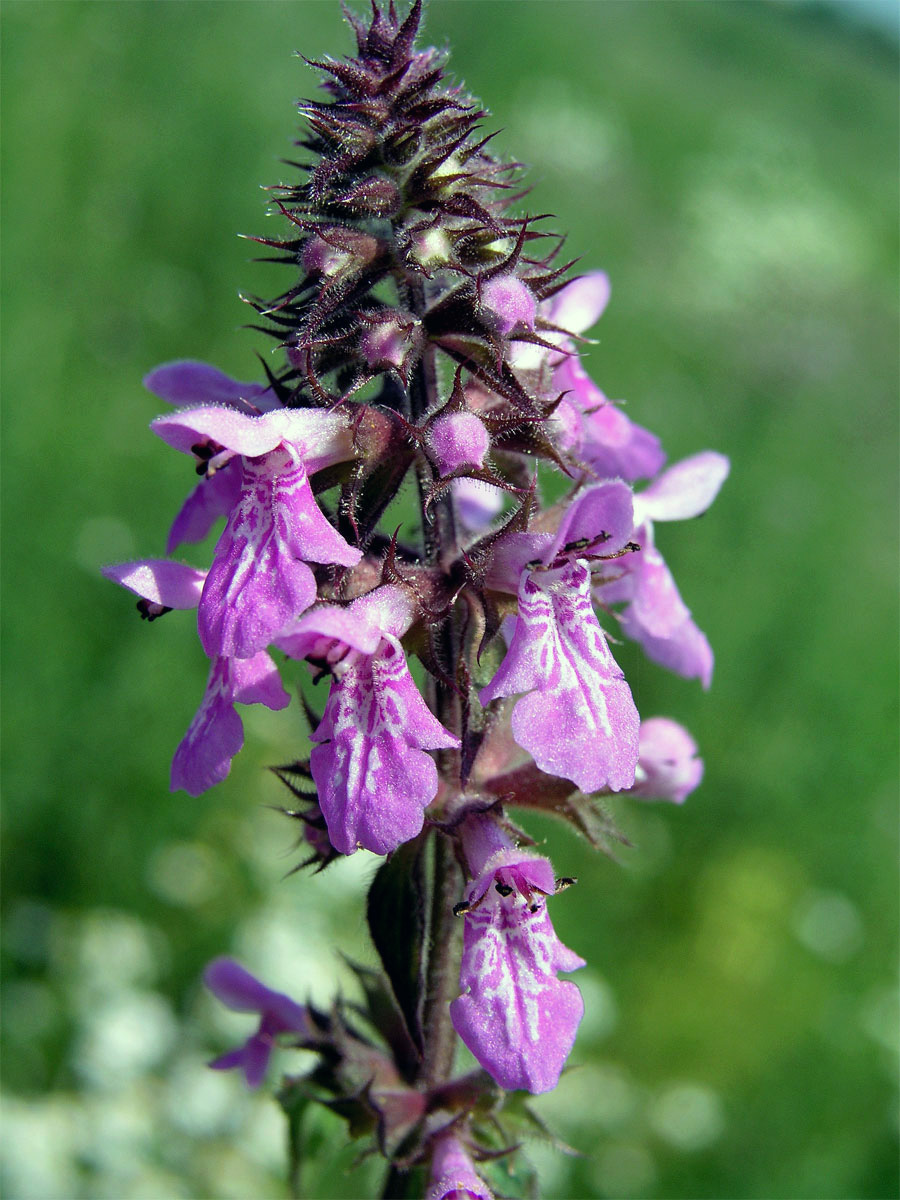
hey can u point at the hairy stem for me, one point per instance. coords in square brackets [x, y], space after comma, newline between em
[441, 983]
[440, 546]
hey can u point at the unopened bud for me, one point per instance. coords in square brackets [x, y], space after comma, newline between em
[458, 440]
[319, 257]
[430, 248]
[510, 302]
[389, 343]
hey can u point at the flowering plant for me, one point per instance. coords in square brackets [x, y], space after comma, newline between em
[428, 332]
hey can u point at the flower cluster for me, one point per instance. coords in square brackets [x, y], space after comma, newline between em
[430, 332]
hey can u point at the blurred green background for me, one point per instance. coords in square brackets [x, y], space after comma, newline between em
[734, 167]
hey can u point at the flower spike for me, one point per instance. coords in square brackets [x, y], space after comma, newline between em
[425, 499]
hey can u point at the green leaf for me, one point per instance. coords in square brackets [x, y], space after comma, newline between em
[385, 1016]
[294, 1101]
[395, 911]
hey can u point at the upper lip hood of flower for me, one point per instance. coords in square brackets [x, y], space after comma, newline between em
[685, 490]
[387, 611]
[599, 522]
[187, 383]
[324, 436]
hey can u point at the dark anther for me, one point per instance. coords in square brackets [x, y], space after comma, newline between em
[150, 610]
[503, 888]
[461, 909]
[566, 881]
[203, 452]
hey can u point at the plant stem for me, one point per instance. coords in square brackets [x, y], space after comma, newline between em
[441, 981]
[439, 547]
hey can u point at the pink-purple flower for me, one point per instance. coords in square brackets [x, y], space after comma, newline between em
[370, 762]
[188, 384]
[589, 426]
[668, 766]
[260, 578]
[216, 733]
[601, 435]
[514, 1014]
[575, 715]
[278, 1014]
[654, 613]
[453, 1174]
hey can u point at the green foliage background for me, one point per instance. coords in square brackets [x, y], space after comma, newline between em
[734, 167]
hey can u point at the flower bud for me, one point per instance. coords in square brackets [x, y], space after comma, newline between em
[458, 440]
[509, 302]
[389, 343]
[668, 766]
[321, 258]
[430, 248]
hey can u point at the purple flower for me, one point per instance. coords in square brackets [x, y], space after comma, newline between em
[259, 579]
[576, 716]
[587, 424]
[601, 434]
[240, 991]
[188, 383]
[373, 775]
[453, 1174]
[216, 733]
[654, 613]
[668, 768]
[515, 1016]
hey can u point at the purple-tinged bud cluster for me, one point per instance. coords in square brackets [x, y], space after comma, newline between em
[428, 333]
